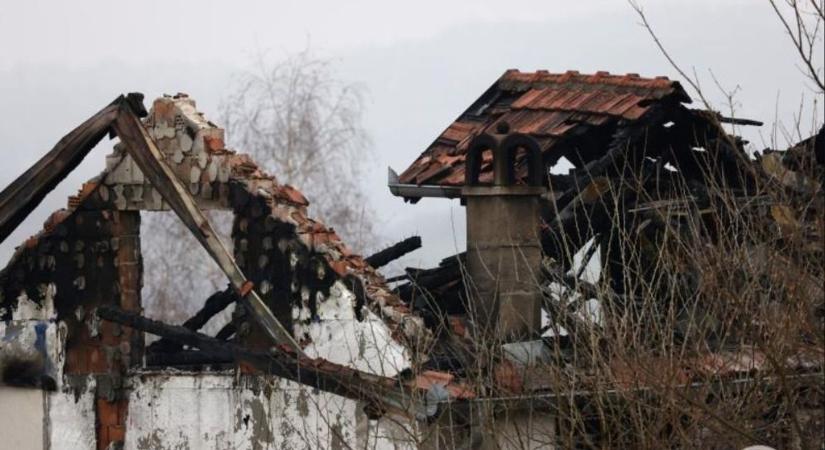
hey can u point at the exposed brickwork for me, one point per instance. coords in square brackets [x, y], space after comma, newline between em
[130, 272]
[90, 258]
[111, 422]
[102, 347]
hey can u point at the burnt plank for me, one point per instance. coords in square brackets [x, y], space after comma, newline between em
[389, 254]
[20, 197]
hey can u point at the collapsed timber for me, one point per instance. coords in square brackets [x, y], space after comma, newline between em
[670, 256]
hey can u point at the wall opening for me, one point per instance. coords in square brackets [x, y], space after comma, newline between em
[178, 273]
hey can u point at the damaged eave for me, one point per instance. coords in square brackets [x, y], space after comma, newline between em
[556, 109]
[414, 192]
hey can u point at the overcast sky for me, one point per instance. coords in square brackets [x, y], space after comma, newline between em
[422, 63]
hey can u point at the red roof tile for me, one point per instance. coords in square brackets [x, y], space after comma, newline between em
[547, 106]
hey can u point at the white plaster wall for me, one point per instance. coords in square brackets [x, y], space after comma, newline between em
[220, 411]
[341, 338]
[390, 432]
[32, 322]
[32, 418]
[71, 417]
[21, 418]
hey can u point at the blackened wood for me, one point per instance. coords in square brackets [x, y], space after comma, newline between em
[177, 333]
[587, 214]
[188, 358]
[227, 331]
[216, 303]
[738, 121]
[20, 197]
[394, 252]
[148, 157]
[386, 393]
[430, 278]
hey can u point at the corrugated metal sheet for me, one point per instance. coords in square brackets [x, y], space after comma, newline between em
[547, 106]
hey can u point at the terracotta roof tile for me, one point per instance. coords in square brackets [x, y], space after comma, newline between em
[548, 106]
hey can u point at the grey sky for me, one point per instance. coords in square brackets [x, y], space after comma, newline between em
[421, 63]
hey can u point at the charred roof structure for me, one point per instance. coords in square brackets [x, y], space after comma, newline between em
[299, 283]
[636, 241]
[561, 111]
[589, 308]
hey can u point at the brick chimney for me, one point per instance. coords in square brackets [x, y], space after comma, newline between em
[503, 245]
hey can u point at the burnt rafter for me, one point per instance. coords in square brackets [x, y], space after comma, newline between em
[20, 197]
[393, 252]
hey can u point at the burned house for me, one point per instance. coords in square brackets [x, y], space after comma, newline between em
[101, 384]
[507, 345]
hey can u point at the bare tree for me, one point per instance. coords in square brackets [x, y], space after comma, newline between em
[178, 274]
[300, 123]
[304, 125]
[804, 22]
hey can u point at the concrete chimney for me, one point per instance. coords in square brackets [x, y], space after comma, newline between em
[503, 245]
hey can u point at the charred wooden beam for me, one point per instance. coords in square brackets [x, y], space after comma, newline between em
[20, 197]
[382, 393]
[148, 157]
[429, 278]
[285, 364]
[394, 252]
[190, 358]
[738, 121]
[216, 303]
[227, 331]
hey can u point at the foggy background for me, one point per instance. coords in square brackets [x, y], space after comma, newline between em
[421, 64]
